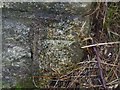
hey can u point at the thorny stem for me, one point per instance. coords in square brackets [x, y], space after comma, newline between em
[99, 66]
[97, 52]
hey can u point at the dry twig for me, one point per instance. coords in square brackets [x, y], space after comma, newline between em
[101, 44]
